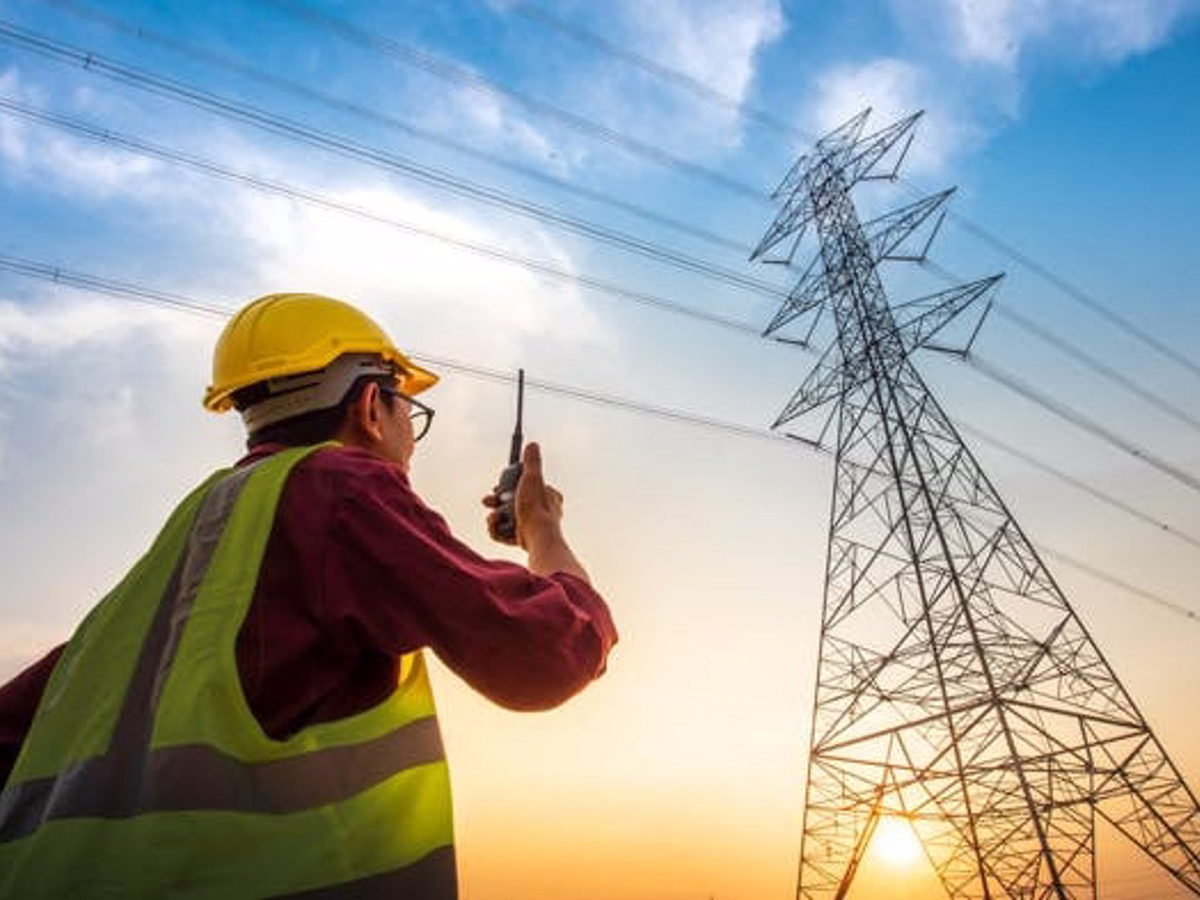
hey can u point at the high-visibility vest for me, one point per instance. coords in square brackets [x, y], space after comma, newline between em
[145, 774]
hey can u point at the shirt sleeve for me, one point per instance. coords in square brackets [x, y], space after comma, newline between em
[524, 641]
[19, 701]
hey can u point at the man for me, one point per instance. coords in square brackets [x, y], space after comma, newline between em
[247, 714]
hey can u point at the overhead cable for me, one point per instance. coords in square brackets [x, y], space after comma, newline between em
[343, 146]
[1076, 353]
[127, 290]
[536, 12]
[1078, 483]
[1101, 575]
[374, 114]
[1001, 376]
[451, 71]
[1072, 291]
[211, 168]
[63, 276]
[120, 289]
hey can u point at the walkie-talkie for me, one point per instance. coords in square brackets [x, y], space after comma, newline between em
[506, 490]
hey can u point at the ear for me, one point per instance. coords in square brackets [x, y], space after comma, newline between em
[366, 413]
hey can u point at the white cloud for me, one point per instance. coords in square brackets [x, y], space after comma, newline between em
[51, 328]
[1000, 32]
[489, 118]
[474, 115]
[430, 287]
[72, 364]
[48, 157]
[715, 42]
[13, 147]
[712, 41]
[967, 63]
[894, 88]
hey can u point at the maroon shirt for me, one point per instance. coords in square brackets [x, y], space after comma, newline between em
[357, 572]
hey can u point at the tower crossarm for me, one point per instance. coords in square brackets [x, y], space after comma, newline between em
[887, 232]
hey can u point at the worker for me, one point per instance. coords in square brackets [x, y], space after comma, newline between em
[247, 713]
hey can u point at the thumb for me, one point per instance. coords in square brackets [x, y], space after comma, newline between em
[531, 459]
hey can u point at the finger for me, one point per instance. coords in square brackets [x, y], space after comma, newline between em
[490, 500]
[493, 527]
[493, 524]
[531, 459]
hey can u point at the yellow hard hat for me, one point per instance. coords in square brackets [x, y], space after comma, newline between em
[286, 334]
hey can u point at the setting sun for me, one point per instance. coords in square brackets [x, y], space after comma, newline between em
[896, 843]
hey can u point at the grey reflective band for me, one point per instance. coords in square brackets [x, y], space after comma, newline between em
[130, 779]
[294, 395]
[433, 875]
[197, 777]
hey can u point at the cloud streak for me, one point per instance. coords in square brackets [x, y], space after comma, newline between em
[968, 63]
[1003, 32]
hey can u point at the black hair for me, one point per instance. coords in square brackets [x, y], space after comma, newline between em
[311, 427]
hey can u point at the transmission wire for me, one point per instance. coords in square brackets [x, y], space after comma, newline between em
[1077, 483]
[208, 167]
[179, 302]
[297, 89]
[1076, 353]
[536, 12]
[673, 306]
[1075, 562]
[211, 168]
[62, 276]
[1075, 293]
[91, 61]
[1001, 376]
[280, 125]
[452, 71]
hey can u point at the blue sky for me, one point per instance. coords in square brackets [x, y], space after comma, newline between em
[1071, 129]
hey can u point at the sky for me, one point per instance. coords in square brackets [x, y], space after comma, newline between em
[1070, 129]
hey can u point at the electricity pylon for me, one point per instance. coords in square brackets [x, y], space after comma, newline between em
[956, 687]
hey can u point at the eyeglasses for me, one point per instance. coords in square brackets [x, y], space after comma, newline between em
[420, 414]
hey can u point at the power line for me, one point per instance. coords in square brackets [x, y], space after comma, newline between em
[127, 290]
[211, 168]
[1073, 351]
[181, 303]
[1079, 484]
[275, 124]
[1101, 575]
[373, 114]
[342, 146]
[58, 274]
[1107, 371]
[1064, 412]
[452, 71]
[123, 290]
[643, 298]
[535, 12]
[1072, 291]
[989, 370]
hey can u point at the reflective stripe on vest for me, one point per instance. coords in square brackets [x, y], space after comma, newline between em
[145, 773]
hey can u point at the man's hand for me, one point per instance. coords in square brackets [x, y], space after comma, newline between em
[539, 510]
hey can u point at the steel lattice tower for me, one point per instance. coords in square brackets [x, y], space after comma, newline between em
[956, 686]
